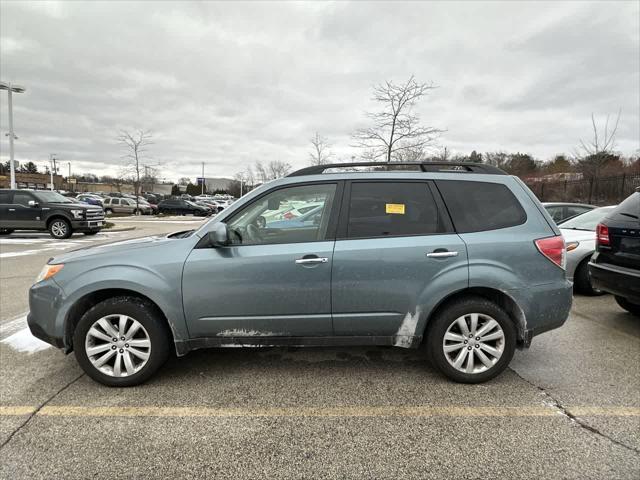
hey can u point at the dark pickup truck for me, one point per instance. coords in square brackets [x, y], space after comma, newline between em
[615, 266]
[47, 210]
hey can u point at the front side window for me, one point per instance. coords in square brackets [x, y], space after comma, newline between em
[287, 215]
[51, 197]
[380, 209]
[481, 206]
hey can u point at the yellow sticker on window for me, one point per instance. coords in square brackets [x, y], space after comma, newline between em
[396, 208]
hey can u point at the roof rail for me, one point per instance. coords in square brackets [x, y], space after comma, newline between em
[456, 167]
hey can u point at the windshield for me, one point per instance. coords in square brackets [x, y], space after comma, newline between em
[51, 197]
[588, 220]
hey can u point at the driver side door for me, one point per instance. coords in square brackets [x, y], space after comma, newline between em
[274, 279]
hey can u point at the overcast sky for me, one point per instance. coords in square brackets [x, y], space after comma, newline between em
[229, 83]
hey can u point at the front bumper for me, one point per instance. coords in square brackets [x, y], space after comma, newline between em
[87, 225]
[620, 281]
[45, 318]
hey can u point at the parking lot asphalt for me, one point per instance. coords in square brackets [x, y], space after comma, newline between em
[569, 407]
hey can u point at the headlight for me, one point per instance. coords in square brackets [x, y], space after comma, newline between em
[572, 246]
[48, 271]
[77, 213]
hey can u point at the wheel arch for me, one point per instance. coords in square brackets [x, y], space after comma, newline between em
[84, 303]
[56, 216]
[499, 297]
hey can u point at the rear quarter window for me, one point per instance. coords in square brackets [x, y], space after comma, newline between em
[629, 209]
[480, 206]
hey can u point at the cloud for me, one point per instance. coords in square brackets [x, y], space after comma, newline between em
[231, 83]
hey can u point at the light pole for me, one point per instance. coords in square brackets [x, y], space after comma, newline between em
[52, 162]
[11, 88]
[202, 193]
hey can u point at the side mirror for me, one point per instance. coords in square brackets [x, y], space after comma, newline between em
[219, 236]
[32, 203]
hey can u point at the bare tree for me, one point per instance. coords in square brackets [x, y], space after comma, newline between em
[396, 127]
[135, 144]
[272, 170]
[590, 157]
[321, 153]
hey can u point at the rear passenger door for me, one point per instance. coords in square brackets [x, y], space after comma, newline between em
[395, 252]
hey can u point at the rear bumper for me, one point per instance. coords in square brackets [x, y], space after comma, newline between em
[545, 307]
[620, 281]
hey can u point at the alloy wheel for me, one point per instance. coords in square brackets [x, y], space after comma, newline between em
[59, 228]
[473, 343]
[118, 345]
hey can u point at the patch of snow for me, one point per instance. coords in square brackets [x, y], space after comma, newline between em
[24, 341]
[13, 326]
[21, 241]
[407, 330]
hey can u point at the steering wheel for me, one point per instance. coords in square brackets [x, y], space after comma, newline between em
[253, 233]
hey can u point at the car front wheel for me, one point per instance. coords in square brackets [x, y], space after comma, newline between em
[121, 341]
[471, 340]
[60, 228]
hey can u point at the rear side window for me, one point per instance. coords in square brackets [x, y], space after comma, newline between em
[380, 209]
[629, 209]
[5, 197]
[480, 206]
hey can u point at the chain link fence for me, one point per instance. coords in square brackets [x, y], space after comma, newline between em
[595, 191]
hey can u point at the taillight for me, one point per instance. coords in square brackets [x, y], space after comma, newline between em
[552, 248]
[602, 235]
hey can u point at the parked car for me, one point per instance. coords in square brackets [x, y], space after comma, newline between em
[562, 211]
[579, 234]
[47, 210]
[312, 217]
[211, 209]
[179, 206]
[458, 259]
[90, 199]
[152, 209]
[615, 267]
[125, 205]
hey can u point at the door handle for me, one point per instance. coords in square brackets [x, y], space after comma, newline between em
[443, 254]
[12, 209]
[307, 261]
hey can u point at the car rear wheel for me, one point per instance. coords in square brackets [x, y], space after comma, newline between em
[6, 231]
[628, 305]
[108, 211]
[121, 341]
[582, 280]
[471, 340]
[59, 228]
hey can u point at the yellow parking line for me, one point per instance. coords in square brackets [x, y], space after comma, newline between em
[8, 410]
[345, 411]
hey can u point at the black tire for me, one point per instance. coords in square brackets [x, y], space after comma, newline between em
[60, 228]
[629, 306]
[142, 311]
[6, 231]
[582, 280]
[444, 318]
[91, 232]
[108, 211]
